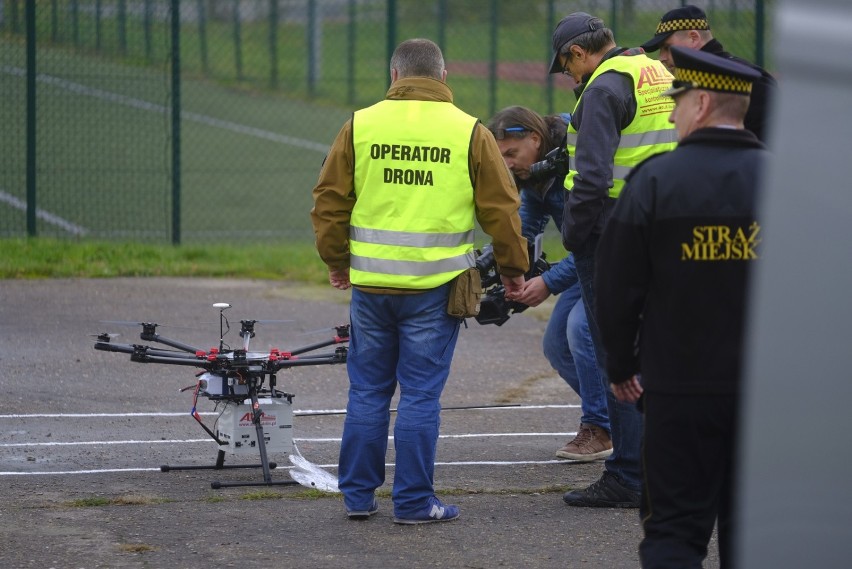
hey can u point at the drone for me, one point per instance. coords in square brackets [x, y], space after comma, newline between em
[240, 381]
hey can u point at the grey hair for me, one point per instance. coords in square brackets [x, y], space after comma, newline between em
[418, 58]
[729, 107]
[594, 41]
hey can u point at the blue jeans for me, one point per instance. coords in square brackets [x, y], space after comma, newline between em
[409, 340]
[569, 348]
[624, 418]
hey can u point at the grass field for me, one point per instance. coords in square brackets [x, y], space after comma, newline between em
[63, 258]
[249, 151]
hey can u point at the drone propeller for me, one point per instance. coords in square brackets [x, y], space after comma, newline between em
[273, 321]
[154, 324]
[104, 336]
[325, 330]
[125, 322]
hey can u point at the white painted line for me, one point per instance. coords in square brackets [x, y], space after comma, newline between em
[43, 215]
[298, 412]
[96, 415]
[162, 109]
[104, 443]
[464, 463]
[100, 471]
[310, 440]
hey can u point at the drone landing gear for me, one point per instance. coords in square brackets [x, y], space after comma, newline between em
[220, 465]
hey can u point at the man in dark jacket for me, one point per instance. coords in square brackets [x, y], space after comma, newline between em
[688, 27]
[673, 264]
[620, 119]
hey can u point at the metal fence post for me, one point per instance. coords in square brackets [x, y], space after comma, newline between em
[443, 15]
[202, 36]
[75, 21]
[351, 41]
[30, 25]
[492, 58]
[314, 34]
[759, 31]
[273, 44]
[175, 33]
[147, 24]
[238, 42]
[54, 21]
[121, 22]
[391, 45]
[551, 24]
[98, 24]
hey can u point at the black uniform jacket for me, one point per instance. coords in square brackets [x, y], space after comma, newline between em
[763, 91]
[673, 264]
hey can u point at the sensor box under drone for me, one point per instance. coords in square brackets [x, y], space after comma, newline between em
[235, 426]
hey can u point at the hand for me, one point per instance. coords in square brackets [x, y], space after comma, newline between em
[513, 286]
[339, 278]
[628, 391]
[535, 292]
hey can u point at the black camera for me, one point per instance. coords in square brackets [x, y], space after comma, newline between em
[554, 165]
[493, 307]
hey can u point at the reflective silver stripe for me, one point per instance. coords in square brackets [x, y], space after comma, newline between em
[662, 136]
[649, 138]
[410, 239]
[416, 268]
[618, 172]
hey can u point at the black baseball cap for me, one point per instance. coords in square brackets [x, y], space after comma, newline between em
[569, 28]
[686, 18]
[696, 69]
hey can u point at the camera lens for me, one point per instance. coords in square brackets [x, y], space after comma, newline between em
[541, 170]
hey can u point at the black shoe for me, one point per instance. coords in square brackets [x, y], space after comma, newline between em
[607, 492]
[363, 514]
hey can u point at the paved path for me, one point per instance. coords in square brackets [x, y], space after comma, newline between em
[83, 434]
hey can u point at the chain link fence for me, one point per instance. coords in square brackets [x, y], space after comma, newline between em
[208, 120]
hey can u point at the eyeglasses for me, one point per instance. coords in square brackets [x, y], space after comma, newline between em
[516, 131]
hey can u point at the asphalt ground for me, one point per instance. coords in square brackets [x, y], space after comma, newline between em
[83, 434]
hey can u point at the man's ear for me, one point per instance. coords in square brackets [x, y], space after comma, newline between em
[705, 105]
[694, 39]
[536, 138]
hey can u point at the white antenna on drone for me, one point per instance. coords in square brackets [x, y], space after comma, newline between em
[222, 306]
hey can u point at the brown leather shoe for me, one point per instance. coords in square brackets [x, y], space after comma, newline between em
[591, 443]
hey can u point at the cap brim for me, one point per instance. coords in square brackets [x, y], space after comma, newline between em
[675, 91]
[556, 65]
[655, 42]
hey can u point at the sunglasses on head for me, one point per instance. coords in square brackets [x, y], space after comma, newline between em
[516, 131]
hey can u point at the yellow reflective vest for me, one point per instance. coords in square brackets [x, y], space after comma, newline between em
[649, 133]
[412, 225]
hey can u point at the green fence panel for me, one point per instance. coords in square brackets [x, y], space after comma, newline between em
[263, 88]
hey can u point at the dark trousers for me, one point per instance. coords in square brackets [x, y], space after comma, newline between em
[687, 453]
[624, 418]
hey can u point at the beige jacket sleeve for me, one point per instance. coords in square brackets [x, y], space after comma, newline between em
[334, 198]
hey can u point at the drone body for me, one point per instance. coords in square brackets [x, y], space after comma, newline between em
[255, 416]
[235, 426]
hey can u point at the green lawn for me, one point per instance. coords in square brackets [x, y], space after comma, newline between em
[256, 119]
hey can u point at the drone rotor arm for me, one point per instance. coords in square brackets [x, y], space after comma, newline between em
[112, 347]
[174, 360]
[169, 342]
